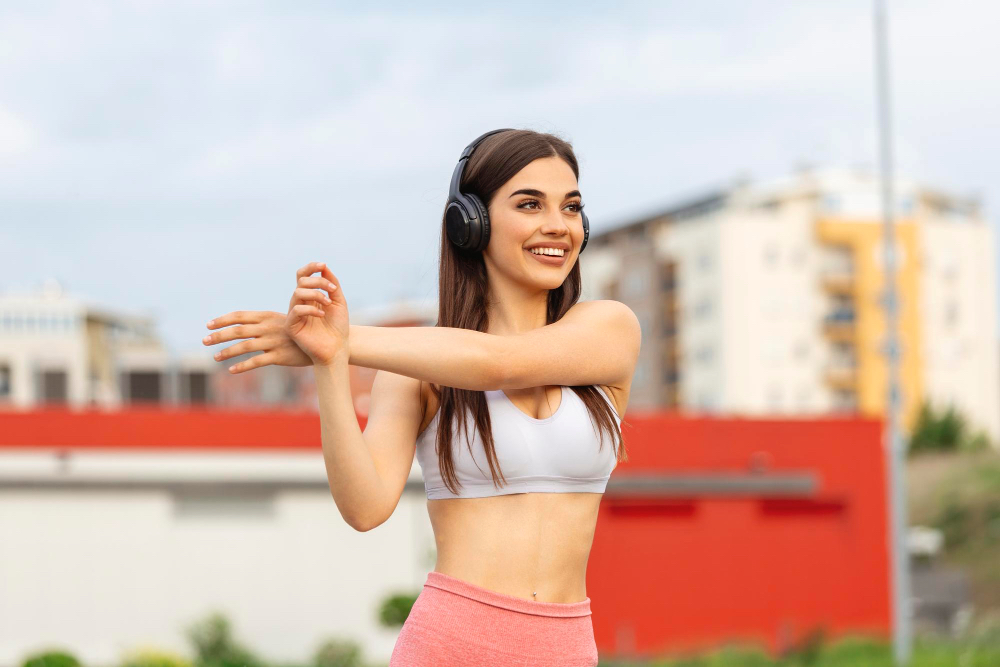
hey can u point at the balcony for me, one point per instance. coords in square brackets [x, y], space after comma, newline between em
[838, 325]
[837, 281]
[841, 374]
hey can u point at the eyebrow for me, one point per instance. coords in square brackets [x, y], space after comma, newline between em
[540, 194]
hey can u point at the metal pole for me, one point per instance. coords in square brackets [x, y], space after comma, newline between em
[895, 454]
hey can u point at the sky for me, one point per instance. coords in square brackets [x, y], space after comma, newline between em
[183, 159]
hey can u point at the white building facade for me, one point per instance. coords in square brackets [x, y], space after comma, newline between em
[766, 299]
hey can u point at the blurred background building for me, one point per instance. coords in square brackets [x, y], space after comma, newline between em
[764, 299]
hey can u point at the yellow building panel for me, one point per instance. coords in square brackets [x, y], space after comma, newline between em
[865, 239]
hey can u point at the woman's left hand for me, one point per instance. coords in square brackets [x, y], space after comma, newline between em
[265, 331]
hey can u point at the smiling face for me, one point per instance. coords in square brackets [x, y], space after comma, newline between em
[539, 206]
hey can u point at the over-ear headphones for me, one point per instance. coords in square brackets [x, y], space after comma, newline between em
[466, 217]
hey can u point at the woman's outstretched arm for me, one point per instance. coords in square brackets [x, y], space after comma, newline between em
[447, 356]
[595, 342]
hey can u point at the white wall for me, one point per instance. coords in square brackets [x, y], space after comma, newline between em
[103, 570]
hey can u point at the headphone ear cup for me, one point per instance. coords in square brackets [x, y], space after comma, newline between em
[586, 231]
[457, 224]
[482, 221]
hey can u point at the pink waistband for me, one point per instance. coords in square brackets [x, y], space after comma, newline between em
[471, 591]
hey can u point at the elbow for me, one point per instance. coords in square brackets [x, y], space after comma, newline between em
[363, 525]
[360, 521]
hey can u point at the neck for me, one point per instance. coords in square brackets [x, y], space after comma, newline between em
[513, 311]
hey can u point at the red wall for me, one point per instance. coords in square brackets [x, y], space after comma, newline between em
[666, 574]
[673, 574]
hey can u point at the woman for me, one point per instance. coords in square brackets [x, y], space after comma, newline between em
[514, 488]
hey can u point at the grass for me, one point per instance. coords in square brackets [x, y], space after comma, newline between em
[848, 652]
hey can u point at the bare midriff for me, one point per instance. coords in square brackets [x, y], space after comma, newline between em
[529, 545]
[518, 544]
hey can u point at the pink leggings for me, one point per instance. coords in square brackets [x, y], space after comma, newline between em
[454, 623]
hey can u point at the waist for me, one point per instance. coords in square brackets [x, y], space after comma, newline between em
[518, 544]
[474, 591]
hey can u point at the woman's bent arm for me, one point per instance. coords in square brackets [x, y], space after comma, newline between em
[354, 481]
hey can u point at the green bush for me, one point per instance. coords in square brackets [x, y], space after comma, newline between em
[396, 608]
[338, 653]
[151, 657]
[850, 651]
[945, 430]
[955, 521]
[51, 658]
[215, 647]
[937, 431]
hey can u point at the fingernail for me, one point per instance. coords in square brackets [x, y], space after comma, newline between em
[210, 324]
[218, 355]
[321, 265]
[206, 339]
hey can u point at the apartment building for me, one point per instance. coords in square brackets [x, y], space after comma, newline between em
[767, 298]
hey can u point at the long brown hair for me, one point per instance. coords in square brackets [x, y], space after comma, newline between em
[463, 289]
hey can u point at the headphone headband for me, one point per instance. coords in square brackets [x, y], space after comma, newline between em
[456, 176]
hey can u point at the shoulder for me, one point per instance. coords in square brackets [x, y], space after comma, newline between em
[604, 312]
[627, 331]
[602, 308]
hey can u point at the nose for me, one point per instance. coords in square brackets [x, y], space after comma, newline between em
[556, 223]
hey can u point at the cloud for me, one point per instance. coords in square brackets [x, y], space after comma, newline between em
[17, 137]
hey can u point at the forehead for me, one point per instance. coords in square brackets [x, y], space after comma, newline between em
[551, 175]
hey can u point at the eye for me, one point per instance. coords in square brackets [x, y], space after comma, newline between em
[577, 206]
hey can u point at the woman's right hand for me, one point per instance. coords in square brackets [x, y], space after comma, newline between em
[318, 322]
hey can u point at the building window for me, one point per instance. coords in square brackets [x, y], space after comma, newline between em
[143, 386]
[951, 313]
[194, 384]
[703, 308]
[844, 401]
[5, 384]
[53, 387]
[705, 354]
[635, 284]
[705, 261]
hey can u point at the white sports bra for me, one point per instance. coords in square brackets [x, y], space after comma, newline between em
[557, 454]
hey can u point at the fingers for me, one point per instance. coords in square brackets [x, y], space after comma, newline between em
[306, 295]
[328, 274]
[318, 282]
[242, 348]
[237, 317]
[302, 311]
[255, 361]
[232, 333]
[310, 268]
[304, 279]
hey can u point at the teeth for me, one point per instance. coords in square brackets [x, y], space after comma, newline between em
[555, 252]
